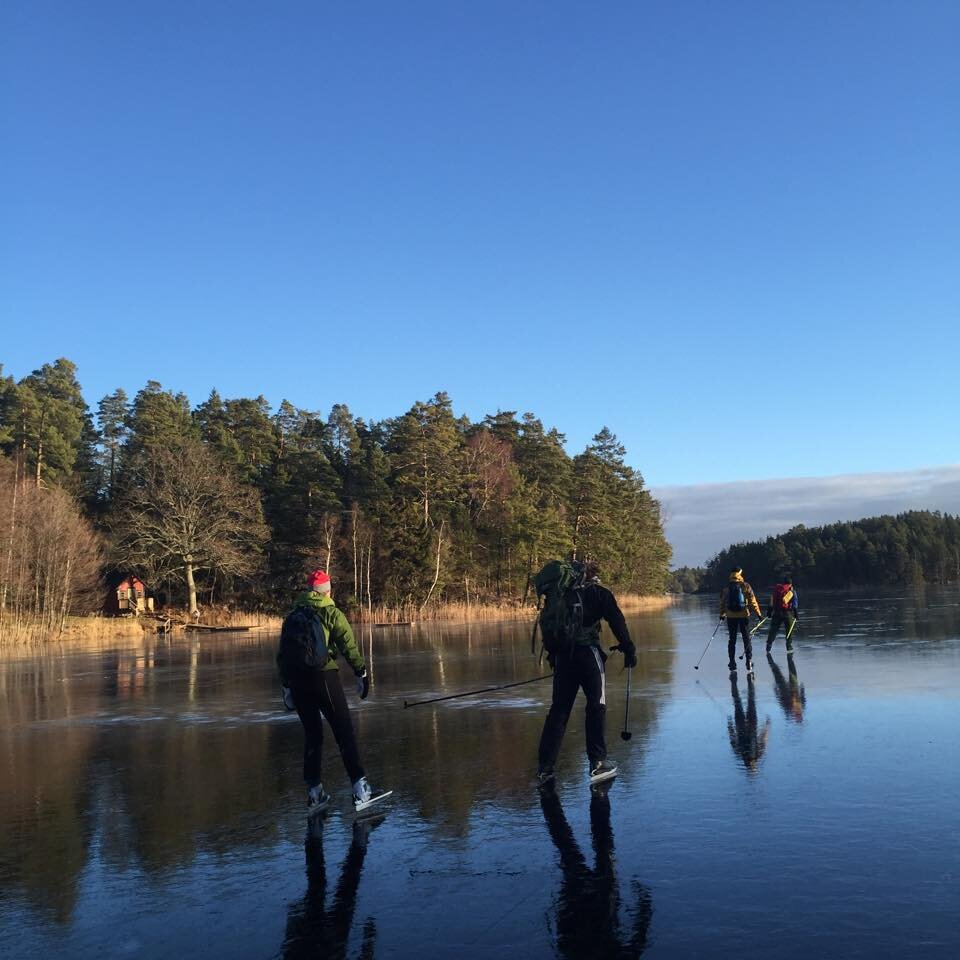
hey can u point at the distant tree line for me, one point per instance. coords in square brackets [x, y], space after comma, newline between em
[685, 580]
[916, 547]
[231, 501]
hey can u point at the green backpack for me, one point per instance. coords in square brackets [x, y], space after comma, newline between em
[559, 587]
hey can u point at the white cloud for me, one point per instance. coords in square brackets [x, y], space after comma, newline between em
[704, 518]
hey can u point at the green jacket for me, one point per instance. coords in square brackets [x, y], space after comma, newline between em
[339, 635]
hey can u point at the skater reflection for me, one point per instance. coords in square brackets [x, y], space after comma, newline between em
[748, 743]
[588, 908]
[313, 930]
[790, 692]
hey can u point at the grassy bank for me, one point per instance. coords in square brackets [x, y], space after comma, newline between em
[485, 612]
[458, 612]
[98, 629]
[224, 617]
[26, 630]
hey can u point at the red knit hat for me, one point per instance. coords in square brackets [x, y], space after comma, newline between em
[319, 581]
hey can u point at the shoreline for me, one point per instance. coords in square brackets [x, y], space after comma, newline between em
[95, 629]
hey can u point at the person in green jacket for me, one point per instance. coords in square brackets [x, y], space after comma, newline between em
[316, 692]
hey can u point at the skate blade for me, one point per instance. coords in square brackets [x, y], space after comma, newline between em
[603, 777]
[367, 804]
[318, 809]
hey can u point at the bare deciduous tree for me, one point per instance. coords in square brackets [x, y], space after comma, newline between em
[182, 513]
[50, 558]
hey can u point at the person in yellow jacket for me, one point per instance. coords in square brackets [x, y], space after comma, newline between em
[737, 602]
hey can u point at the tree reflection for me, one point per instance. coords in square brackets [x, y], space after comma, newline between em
[748, 742]
[588, 907]
[46, 817]
[479, 742]
[142, 756]
[313, 929]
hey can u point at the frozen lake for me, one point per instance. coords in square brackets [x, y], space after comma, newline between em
[151, 802]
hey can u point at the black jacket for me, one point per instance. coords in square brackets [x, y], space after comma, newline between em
[600, 604]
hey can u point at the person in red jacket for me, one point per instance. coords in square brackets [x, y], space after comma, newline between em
[783, 611]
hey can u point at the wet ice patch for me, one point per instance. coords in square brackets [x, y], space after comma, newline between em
[186, 718]
[513, 702]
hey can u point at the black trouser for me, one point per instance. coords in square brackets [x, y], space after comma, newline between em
[743, 625]
[318, 694]
[581, 668]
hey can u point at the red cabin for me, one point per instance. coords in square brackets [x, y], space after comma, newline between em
[128, 597]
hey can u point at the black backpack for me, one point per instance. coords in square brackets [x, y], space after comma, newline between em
[303, 640]
[560, 585]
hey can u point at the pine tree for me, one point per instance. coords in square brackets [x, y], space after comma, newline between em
[214, 428]
[425, 448]
[542, 509]
[8, 417]
[51, 419]
[251, 426]
[302, 500]
[158, 418]
[113, 412]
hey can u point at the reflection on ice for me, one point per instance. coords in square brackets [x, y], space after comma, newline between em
[790, 693]
[593, 918]
[319, 924]
[748, 742]
[505, 703]
[151, 799]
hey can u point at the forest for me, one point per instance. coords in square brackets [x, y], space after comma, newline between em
[230, 502]
[916, 547]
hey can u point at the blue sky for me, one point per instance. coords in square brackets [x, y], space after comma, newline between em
[727, 231]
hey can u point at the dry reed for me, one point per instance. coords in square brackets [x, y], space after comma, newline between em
[223, 617]
[99, 629]
[460, 612]
[93, 629]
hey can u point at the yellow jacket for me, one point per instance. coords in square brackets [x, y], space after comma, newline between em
[748, 596]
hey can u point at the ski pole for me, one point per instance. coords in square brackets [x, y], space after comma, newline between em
[473, 693]
[625, 734]
[754, 630]
[792, 625]
[696, 666]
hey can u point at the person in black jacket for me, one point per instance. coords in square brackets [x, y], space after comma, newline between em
[582, 667]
